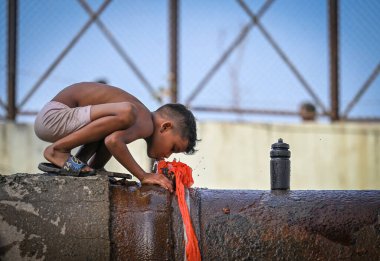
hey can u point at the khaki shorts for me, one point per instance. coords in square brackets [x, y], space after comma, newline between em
[57, 120]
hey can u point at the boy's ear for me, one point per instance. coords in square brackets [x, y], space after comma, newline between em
[167, 125]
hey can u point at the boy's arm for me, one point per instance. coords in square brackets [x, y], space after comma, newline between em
[116, 144]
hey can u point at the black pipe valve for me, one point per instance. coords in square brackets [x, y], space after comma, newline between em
[280, 166]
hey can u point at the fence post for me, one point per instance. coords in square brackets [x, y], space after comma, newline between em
[173, 49]
[333, 9]
[12, 61]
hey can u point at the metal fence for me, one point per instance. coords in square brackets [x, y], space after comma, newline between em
[234, 60]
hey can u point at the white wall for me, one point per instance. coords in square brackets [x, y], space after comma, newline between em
[236, 156]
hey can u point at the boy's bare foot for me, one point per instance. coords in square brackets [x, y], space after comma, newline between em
[59, 158]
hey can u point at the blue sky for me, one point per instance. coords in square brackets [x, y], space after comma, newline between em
[253, 77]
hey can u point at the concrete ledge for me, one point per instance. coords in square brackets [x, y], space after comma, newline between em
[54, 218]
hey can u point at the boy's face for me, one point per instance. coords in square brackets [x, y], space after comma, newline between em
[166, 141]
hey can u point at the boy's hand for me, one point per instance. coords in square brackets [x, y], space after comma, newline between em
[152, 178]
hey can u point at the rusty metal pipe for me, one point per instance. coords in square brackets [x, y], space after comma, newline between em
[67, 218]
[246, 225]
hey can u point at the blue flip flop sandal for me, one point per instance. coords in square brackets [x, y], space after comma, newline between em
[54, 169]
[49, 167]
[73, 167]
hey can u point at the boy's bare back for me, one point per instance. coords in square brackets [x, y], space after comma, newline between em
[91, 93]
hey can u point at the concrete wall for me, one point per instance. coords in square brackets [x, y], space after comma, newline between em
[236, 155]
[54, 218]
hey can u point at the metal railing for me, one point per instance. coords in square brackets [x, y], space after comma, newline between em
[333, 111]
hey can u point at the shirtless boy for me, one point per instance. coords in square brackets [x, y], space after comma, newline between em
[104, 119]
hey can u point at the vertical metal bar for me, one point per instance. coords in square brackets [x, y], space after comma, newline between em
[12, 52]
[173, 49]
[334, 58]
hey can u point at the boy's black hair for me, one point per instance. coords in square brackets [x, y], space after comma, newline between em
[185, 121]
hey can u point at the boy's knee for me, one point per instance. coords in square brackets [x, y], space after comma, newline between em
[110, 141]
[127, 114]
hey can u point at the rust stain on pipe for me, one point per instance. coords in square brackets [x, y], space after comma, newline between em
[292, 225]
[140, 224]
